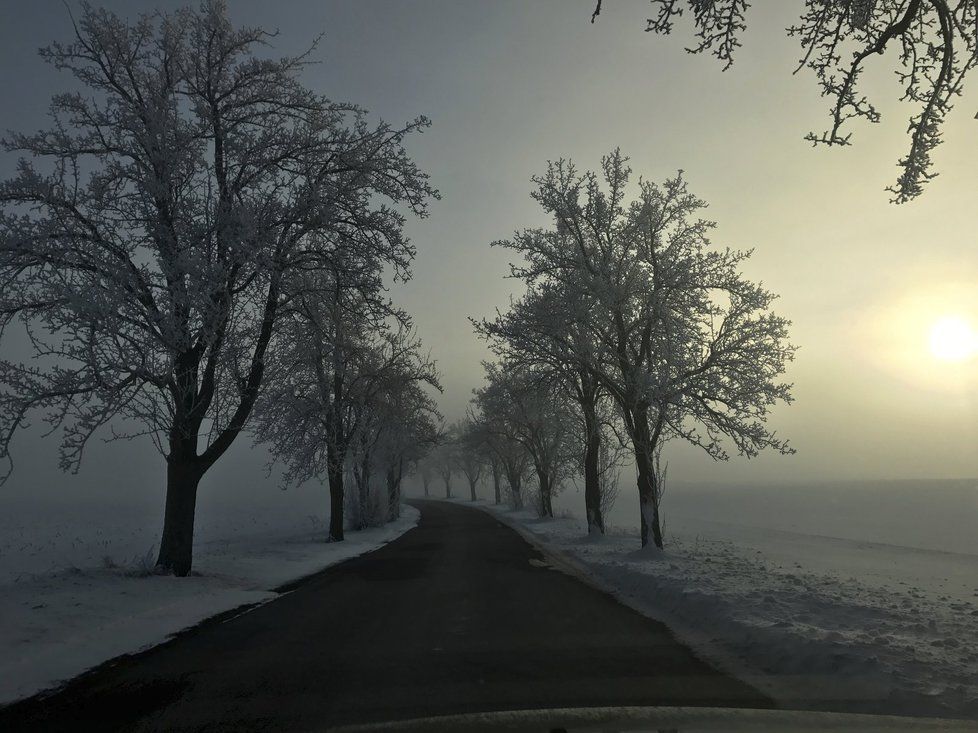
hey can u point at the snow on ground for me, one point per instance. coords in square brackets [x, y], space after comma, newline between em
[835, 623]
[75, 591]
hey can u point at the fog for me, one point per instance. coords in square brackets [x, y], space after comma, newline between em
[510, 85]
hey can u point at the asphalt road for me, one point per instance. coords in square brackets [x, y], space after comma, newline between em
[460, 614]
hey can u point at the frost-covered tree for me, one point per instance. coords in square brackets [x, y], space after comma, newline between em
[548, 328]
[148, 237]
[496, 471]
[530, 411]
[426, 471]
[407, 430]
[515, 462]
[342, 382]
[333, 351]
[501, 456]
[367, 505]
[685, 344]
[612, 455]
[515, 465]
[445, 458]
[610, 460]
[485, 444]
[935, 43]
[395, 425]
[508, 458]
[470, 453]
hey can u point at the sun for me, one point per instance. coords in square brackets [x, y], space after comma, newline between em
[953, 339]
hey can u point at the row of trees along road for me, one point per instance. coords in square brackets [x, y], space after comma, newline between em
[199, 240]
[633, 328]
[195, 215]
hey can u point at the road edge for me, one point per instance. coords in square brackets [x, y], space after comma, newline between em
[218, 617]
[693, 639]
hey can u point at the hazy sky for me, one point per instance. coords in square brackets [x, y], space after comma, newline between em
[511, 84]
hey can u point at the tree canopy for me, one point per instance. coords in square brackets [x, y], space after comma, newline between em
[935, 43]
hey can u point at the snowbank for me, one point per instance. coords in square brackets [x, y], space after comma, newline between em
[815, 622]
[60, 619]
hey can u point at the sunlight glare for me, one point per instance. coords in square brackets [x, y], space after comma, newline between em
[953, 339]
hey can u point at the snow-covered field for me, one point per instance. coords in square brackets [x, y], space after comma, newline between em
[883, 616]
[75, 592]
[836, 623]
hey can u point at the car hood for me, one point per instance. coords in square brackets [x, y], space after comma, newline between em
[672, 719]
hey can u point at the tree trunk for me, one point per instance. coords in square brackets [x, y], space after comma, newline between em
[393, 492]
[647, 499]
[425, 487]
[397, 487]
[473, 495]
[337, 444]
[548, 506]
[592, 480]
[448, 488]
[363, 493]
[334, 471]
[546, 500]
[495, 483]
[516, 489]
[177, 545]
[648, 506]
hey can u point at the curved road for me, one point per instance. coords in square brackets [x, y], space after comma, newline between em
[460, 614]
